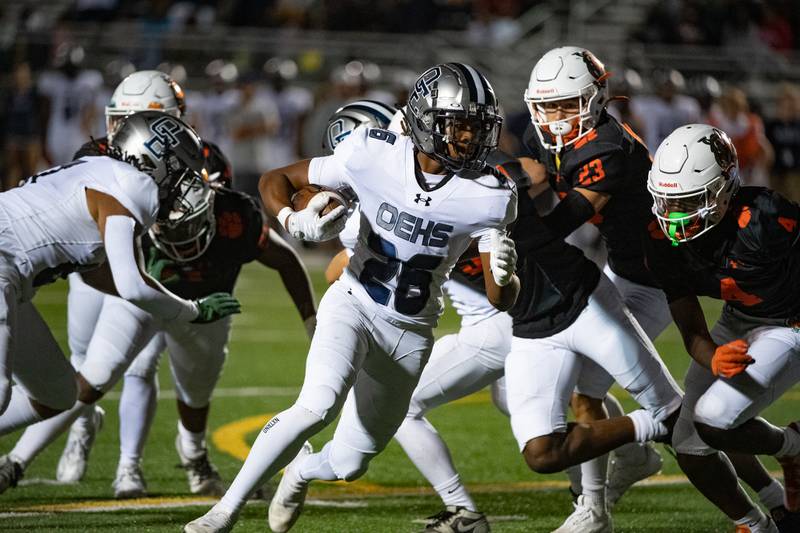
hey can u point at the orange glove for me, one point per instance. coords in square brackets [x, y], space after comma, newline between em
[731, 359]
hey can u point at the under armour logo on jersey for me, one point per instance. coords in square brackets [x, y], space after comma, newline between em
[165, 132]
[419, 200]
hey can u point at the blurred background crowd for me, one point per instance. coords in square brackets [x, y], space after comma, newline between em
[262, 76]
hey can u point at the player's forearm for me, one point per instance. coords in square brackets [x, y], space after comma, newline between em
[690, 320]
[503, 298]
[280, 256]
[134, 286]
[276, 191]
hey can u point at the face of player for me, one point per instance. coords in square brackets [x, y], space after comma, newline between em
[460, 133]
[557, 113]
[682, 218]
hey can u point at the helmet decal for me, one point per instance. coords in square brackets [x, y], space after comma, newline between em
[165, 132]
[721, 147]
[425, 86]
[593, 65]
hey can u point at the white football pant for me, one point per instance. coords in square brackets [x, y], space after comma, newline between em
[727, 403]
[541, 374]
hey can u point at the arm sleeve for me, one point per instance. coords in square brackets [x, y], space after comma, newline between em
[484, 235]
[119, 238]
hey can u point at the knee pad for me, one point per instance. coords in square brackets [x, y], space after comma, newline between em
[714, 411]
[321, 400]
[348, 464]
[499, 396]
[5, 394]
[686, 440]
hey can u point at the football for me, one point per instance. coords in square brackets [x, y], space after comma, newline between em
[301, 198]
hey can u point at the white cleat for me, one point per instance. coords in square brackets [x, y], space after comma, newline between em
[624, 471]
[214, 521]
[203, 476]
[11, 471]
[129, 482]
[72, 464]
[587, 518]
[287, 504]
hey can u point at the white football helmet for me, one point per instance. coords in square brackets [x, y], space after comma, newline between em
[141, 91]
[566, 73]
[694, 175]
[196, 225]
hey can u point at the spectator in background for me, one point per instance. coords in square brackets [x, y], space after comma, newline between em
[24, 127]
[783, 131]
[706, 90]
[252, 123]
[666, 110]
[208, 111]
[732, 114]
[293, 101]
[70, 94]
[623, 87]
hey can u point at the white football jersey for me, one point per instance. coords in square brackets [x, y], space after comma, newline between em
[46, 223]
[409, 236]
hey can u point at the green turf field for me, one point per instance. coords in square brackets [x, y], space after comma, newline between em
[262, 376]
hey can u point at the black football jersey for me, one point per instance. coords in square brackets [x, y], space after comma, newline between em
[610, 159]
[241, 237]
[751, 259]
[556, 279]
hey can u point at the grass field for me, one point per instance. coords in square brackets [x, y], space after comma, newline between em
[262, 376]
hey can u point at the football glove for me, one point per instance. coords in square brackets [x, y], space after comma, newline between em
[503, 258]
[156, 266]
[308, 225]
[731, 359]
[216, 306]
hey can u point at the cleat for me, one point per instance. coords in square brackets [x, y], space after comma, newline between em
[791, 476]
[587, 518]
[624, 472]
[11, 472]
[203, 476]
[287, 504]
[785, 521]
[75, 457]
[214, 521]
[129, 482]
[457, 519]
[765, 526]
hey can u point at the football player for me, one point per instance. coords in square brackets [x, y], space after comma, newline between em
[203, 253]
[740, 245]
[86, 216]
[598, 166]
[460, 364]
[374, 331]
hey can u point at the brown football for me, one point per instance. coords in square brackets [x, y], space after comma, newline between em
[301, 198]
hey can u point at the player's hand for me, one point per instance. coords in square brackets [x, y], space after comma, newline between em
[503, 258]
[156, 266]
[731, 359]
[216, 306]
[308, 225]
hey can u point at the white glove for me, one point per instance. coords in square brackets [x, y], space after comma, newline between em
[308, 225]
[310, 324]
[503, 258]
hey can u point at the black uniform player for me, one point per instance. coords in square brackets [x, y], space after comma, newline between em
[742, 248]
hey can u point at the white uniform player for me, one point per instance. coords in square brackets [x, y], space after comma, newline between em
[52, 228]
[374, 330]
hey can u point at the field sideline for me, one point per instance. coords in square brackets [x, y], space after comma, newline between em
[262, 376]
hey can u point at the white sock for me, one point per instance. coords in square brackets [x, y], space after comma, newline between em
[645, 426]
[453, 492]
[754, 518]
[317, 466]
[137, 407]
[276, 445]
[791, 443]
[426, 449]
[19, 413]
[593, 479]
[193, 444]
[633, 452]
[38, 436]
[771, 495]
